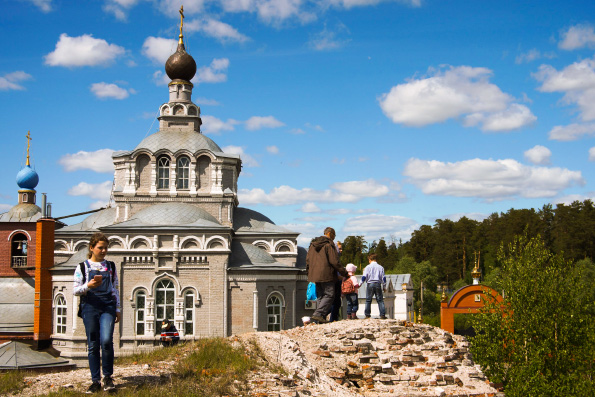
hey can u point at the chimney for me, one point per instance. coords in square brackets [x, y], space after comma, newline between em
[44, 261]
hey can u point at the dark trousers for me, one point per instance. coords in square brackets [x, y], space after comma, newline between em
[336, 306]
[99, 325]
[326, 295]
[371, 290]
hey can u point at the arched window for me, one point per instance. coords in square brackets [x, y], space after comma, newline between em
[163, 173]
[18, 252]
[189, 313]
[143, 172]
[182, 172]
[165, 303]
[60, 315]
[274, 307]
[140, 301]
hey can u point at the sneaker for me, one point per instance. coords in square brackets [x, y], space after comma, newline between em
[94, 388]
[318, 319]
[383, 318]
[368, 316]
[108, 383]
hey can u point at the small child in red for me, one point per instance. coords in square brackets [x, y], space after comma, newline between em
[349, 290]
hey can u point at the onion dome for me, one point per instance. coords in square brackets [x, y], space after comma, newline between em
[27, 178]
[180, 65]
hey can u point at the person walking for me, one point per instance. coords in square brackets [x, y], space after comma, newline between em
[95, 281]
[374, 276]
[323, 267]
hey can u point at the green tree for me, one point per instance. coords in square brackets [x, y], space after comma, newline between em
[381, 252]
[353, 251]
[538, 340]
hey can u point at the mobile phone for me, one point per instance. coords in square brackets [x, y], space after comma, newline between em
[98, 277]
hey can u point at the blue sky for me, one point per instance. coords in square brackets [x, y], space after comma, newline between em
[370, 116]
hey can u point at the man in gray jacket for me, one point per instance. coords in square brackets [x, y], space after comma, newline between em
[322, 265]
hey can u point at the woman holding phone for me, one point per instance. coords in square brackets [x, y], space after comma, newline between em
[95, 281]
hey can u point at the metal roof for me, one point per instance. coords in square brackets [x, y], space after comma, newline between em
[17, 355]
[250, 221]
[17, 296]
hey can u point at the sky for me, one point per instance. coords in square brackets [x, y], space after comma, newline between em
[371, 116]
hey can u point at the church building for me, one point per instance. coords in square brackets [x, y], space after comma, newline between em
[184, 250]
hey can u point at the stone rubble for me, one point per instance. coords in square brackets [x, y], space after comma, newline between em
[373, 358]
[347, 358]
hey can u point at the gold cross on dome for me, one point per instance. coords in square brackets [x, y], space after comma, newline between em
[28, 136]
[181, 19]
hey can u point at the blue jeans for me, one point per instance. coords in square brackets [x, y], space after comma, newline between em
[352, 303]
[371, 290]
[99, 325]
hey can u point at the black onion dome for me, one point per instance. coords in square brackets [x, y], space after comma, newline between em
[180, 65]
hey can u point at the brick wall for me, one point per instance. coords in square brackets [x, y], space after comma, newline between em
[6, 269]
[44, 261]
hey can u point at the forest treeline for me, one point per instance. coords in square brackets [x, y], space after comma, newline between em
[449, 248]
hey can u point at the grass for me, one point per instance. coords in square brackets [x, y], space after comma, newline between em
[12, 381]
[208, 367]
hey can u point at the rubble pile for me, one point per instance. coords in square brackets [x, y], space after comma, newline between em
[373, 358]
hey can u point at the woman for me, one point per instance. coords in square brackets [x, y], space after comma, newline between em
[95, 281]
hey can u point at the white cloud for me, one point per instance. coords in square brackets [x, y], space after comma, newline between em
[533, 55]
[206, 101]
[375, 226]
[247, 160]
[329, 39]
[172, 7]
[576, 81]
[5, 207]
[216, 29]
[539, 155]
[361, 3]
[476, 216]
[571, 132]
[10, 80]
[514, 117]
[453, 93]
[273, 149]
[119, 8]
[571, 198]
[98, 191]
[214, 73]
[159, 49]
[310, 208]
[213, 125]
[259, 122]
[98, 161]
[83, 50]
[578, 36]
[489, 179]
[592, 154]
[297, 131]
[287, 195]
[104, 90]
[161, 78]
[43, 5]
[368, 188]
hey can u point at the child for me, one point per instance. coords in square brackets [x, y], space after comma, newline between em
[349, 290]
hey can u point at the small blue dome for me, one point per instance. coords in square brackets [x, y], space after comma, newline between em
[27, 178]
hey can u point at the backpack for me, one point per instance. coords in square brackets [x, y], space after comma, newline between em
[347, 286]
[112, 267]
[311, 292]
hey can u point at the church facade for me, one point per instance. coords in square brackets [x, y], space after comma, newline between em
[184, 249]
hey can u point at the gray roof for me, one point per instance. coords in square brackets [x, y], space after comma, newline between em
[74, 260]
[249, 221]
[15, 355]
[17, 296]
[22, 213]
[177, 140]
[168, 215]
[247, 255]
[93, 222]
